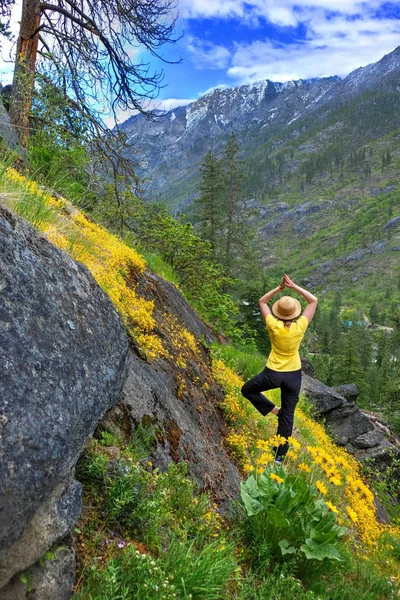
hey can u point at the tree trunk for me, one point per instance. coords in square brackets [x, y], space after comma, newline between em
[24, 70]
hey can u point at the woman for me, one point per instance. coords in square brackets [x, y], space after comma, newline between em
[283, 369]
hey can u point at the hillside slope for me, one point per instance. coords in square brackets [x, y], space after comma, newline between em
[144, 524]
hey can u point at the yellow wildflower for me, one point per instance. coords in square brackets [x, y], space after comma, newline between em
[352, 514]
[335, 480]
[293, 442]
[292, 454]
[248, 468]
[276, 478]
[304, 467]
[321, 487]
[331, 507]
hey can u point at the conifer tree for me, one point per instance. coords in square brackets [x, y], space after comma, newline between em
[234, 202]
[210, 202]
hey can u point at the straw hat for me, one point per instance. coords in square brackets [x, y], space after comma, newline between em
[286, 308]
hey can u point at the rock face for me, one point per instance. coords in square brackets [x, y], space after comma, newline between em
[52, 580]
[349, 425]
[63, 353]
[181, 406]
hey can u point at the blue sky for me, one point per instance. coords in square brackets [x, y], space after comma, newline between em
[235, 42]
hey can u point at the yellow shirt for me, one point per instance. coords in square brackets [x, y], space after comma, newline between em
[285, 342]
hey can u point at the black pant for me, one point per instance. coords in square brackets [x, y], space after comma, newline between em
[289, 382]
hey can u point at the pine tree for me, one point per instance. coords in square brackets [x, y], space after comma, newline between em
[234, 202]
[210, 202]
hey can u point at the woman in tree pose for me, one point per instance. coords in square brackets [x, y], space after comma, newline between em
[283, 369]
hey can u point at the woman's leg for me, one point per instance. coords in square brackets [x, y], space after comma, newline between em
[266, 380]
[290, 389]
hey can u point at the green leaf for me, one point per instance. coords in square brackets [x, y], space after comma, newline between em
[286, 499]
[277, 518]
[251, 505]
[264, 486]
[286, 548]
[251, 487]
[320, 552]
[319, 546]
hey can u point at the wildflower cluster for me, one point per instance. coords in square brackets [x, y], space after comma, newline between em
[247, 430]
[114, 265]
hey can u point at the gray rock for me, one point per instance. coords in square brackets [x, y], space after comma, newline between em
[356, 255]
[349, 391]
[52, 521]
[392, 222]
[323, 397]
[375, 191]
[368, 440]
[389, 188]
[395, 248]
[348, 422]
[7, 133]
[151, 285]
[343, 417]
[306, 366]
[306, 208]
[56, 383]
[378, 247]
[187, 434]
[52, 580]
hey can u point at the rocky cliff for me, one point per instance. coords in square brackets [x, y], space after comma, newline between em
[63, 352]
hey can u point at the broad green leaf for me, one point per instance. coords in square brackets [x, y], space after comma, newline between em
[264, 485]
[286, 499]
[251, 505]
[319, 551]
[250, 485]
[286, 548]
[277, 518]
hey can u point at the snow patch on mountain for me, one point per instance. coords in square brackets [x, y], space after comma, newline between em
[195, 113]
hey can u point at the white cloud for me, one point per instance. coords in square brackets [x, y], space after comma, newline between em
[279, 12]
[206, 55]
[165, 105]
[333, 47]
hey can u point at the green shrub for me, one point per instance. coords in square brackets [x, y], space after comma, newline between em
[288, 513]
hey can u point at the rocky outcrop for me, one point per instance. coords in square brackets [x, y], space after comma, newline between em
[179, 406]
[63, 353]
[51, 579]
[349, 426]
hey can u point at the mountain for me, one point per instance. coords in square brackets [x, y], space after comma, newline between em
[322, 165]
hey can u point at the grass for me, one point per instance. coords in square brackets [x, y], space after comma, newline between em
[245, 360]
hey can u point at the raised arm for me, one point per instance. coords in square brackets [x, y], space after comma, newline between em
[312, 300]
[263, 301]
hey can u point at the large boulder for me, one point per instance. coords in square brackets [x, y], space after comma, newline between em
[63, 352]
[324, 398]
[350, 427]
[189, 422]
[338, 409]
